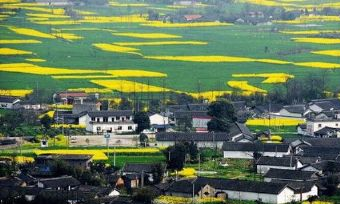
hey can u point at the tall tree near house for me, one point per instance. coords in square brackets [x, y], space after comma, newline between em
[125, 104]
[142, 120]
[9, 122]
[175, 156]
[223, 114]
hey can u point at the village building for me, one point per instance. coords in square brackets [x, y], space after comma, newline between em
[69, 97]
[289, 175]
[264, 164]
[59, 183]
[239, 150]
[75, 160]
[98, 122]
[138, 174]
[240, 190]
[313, 126]
[238, 133]
[8, 102]
[159, 122]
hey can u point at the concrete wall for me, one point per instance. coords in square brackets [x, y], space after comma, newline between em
[305, 196]
[249, 155]
[313, 126]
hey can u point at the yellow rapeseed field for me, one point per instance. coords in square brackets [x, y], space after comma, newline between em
[11, 51]
[19, 41]
[160, 43]
[92, 90]
[35, 69]
[61, 106]
[15, 92]
[67, 36]
[35, 60]
[128, 86]
[30, 32]
[208, 95]
[271, 78]
[135, 73]
[334, 53]
[147, 35]
[318, 40]
[245, 86]
[68, 126]
[114, 19]
[274, 122]
[45, 15]
[215, 59]
[59, 22]
[49, 114]
[308, 32]
[160, 24]
[116, 48]
[323, 65]
[20, 159]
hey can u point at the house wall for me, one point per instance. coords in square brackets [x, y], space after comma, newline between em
[6, 105]
[114, 127]
[306, 195]
[200, 122]
[249, 154]
[200, 144]
[262, 169]
[158, 119]
[313, 126]
[285, 196]
[284, 113]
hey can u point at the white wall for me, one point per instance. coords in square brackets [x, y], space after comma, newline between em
[157, 119]
[262, 169]
[305, 196]
[249, 155]
[313, 126]
[285, 196]
[111, 126]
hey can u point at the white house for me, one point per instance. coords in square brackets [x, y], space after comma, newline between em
[313, 126]
[7, 102]
[263, 164]
[158, 119]
[120, 121]
[238, 150]
[242, 190]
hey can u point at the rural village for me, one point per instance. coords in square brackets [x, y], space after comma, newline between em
[237, 101]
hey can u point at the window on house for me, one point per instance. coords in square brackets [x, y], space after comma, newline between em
[112, 119]
[98, 119]
[123, 118]
[93, 119]
[105, 119]
[117, 118]
[127, 117]
[120, 128]
[336, 124]
[319, 125]
[98, 128]
[129, 127]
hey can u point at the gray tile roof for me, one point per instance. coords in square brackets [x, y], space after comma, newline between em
[260, 147]
[286, 174]
[110, 113]
[277, 161]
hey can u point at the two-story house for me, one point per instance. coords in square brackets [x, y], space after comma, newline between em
[119, 121]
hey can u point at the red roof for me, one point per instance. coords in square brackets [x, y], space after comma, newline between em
[192, 17]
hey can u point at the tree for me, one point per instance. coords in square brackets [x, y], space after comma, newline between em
[9, 122]
[125, 104]
[175, 156]
[223, 115]
[144, 195]
[158, 173]
[46, 122]
[143, 139]
[192, 151]
[142, 120]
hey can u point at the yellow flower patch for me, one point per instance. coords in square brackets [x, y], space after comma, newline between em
[160, 24]
[49, 22]
[309, 32]
[30, 32]
[97, 154]
[35, 60]
[334, 53]
[84, 12]
[10, 51]
[35, 69]
[245, 86]
[116, 4]
[201, 58]
[116, 48]
[323, 65]
[45, 15]
[61, 106]
[92, 90]
[271, 78]
[49, 114]
[274, 122]
[272, 61]
[114, 19]
[208, 95]
[128, 86]
[15, 92]
[68, 126]
[318, 40]
[147, 35]
[19, 41]
[161, 43]
[67, 36]
[135, 73]
[187, 172]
